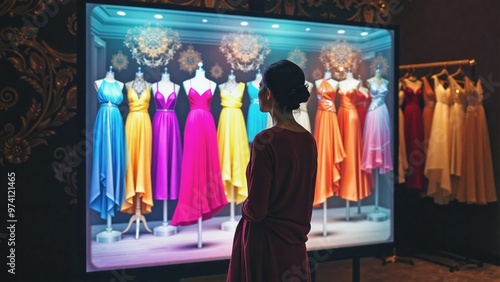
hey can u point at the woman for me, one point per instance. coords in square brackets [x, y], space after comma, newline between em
[269, 242]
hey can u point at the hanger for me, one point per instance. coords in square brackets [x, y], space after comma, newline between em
[444, 71]
[459, 72]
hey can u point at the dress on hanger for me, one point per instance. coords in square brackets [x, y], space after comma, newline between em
[402, 157]
[362, 103]
[234, 152]
[139, 139]
[329, 142]
[457, 133]
[354, 184]
[377, 134]
[256, 120]
[437, 164]
[108, 162]
[302, 116]
[414, 137]
[167, 148]
[476, 184]
[201, 193]
[428, 111]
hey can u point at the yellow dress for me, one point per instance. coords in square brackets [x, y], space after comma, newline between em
[234, 152]
[139, 139]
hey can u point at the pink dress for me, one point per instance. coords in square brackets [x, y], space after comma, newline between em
[201, 192]
[377, 134]
[167, 148]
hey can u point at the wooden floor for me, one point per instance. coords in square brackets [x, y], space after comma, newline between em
[149, 250]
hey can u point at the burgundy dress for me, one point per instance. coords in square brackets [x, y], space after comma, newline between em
[414, 137]
[269, 242]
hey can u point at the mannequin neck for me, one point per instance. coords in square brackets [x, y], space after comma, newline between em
[349, 75]
[328, 75]
[110, 76]
[165, 78]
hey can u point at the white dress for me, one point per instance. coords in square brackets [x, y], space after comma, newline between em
[437, 164]
[457, 118]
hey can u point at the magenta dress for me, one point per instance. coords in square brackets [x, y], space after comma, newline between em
[201, 193]
[167, 148]
[377, 134]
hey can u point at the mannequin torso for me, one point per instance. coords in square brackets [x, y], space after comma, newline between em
[165, 86]
[199, 83]
[110, 77]
[348, 84]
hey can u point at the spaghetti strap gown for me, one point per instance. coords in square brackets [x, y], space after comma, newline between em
[139, 139]
[437, 164]
[457, 133]
[167, 148]
[402, 157]
[109, 159]
[329, 142]
[477, 183]
[201, 193]
[256, 120]
[428, 111]
[414, 137]
[377, 152]
[234, 152]
[354, 184]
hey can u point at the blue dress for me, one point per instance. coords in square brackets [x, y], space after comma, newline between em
[108, 163]
[256, 120]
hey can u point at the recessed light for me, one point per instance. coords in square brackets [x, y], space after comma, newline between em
[204, 20]
[158, 16]
[364, 33]
[308, 29]
[121, 13]
[275, 26]
[244, 23]
[341, 31]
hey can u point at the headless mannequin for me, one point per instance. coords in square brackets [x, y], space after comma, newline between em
[165, 86]
[257, 80]
[138, 84]
[230, 85]
[378, 80]
[110, 77]
[411, 81]
[199, 82]
[363, 90]
[349, 83]
[329, 79]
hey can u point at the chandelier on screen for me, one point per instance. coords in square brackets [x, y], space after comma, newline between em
[153, 46]
[340, 56]
[244, 51]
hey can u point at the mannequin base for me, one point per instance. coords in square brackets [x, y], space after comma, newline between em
[377, 216]
[108, 236]
[229, 225]
[165, 231]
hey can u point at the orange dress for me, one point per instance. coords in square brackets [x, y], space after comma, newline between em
[428, 111]
[354, 184]
[138, 133]
[329, 142]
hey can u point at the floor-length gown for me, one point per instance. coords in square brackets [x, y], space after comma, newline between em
[476, 184]
[256, 120]
[234, 152]
[330, 149]
[354, 184]
[167, 148]
[437, 164]
[377, 152]
[457, 133]
[402, 157]
[428, 111]
[139, 142]
[201, 193]
[414, 137]
[109, 159]
[302, 116]
[362, 104]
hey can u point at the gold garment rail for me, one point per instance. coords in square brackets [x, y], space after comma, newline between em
[470, 62]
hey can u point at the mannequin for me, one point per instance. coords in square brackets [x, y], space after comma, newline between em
[256, 120]
[108, 164]
[233, 148]
[138, 198]
[302, 114]
[328, 78]
[201, 192]
[349, 83]
[167, 149]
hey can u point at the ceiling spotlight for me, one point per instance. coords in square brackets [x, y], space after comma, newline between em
[341, 31]
[364, 33]
[158, 16]
[204, 20]
[121, 13]
[275, 26]
[244, 23]
[308, 29]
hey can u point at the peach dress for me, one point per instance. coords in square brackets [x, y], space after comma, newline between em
[428, 111]
[329, 142]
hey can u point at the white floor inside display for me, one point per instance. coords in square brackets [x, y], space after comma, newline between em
[149, 250]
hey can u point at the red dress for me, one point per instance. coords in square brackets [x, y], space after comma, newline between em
[414, 137]
[269, 242]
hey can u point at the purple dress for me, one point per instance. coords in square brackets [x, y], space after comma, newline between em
[201, 192]
[167, 148]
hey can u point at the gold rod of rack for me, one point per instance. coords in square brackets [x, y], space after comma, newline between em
[470, 62]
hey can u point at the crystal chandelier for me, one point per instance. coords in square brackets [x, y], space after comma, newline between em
[152, 46]
[298, 57]
[244, 51]
[379, 62]
[340, 56]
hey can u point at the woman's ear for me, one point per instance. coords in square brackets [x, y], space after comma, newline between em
[268, 94]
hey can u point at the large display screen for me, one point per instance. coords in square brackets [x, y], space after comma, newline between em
[140, 60]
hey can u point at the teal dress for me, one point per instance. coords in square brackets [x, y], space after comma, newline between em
[108, 162]
[256, 120]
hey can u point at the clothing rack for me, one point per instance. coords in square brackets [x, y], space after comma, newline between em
[470, 62]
